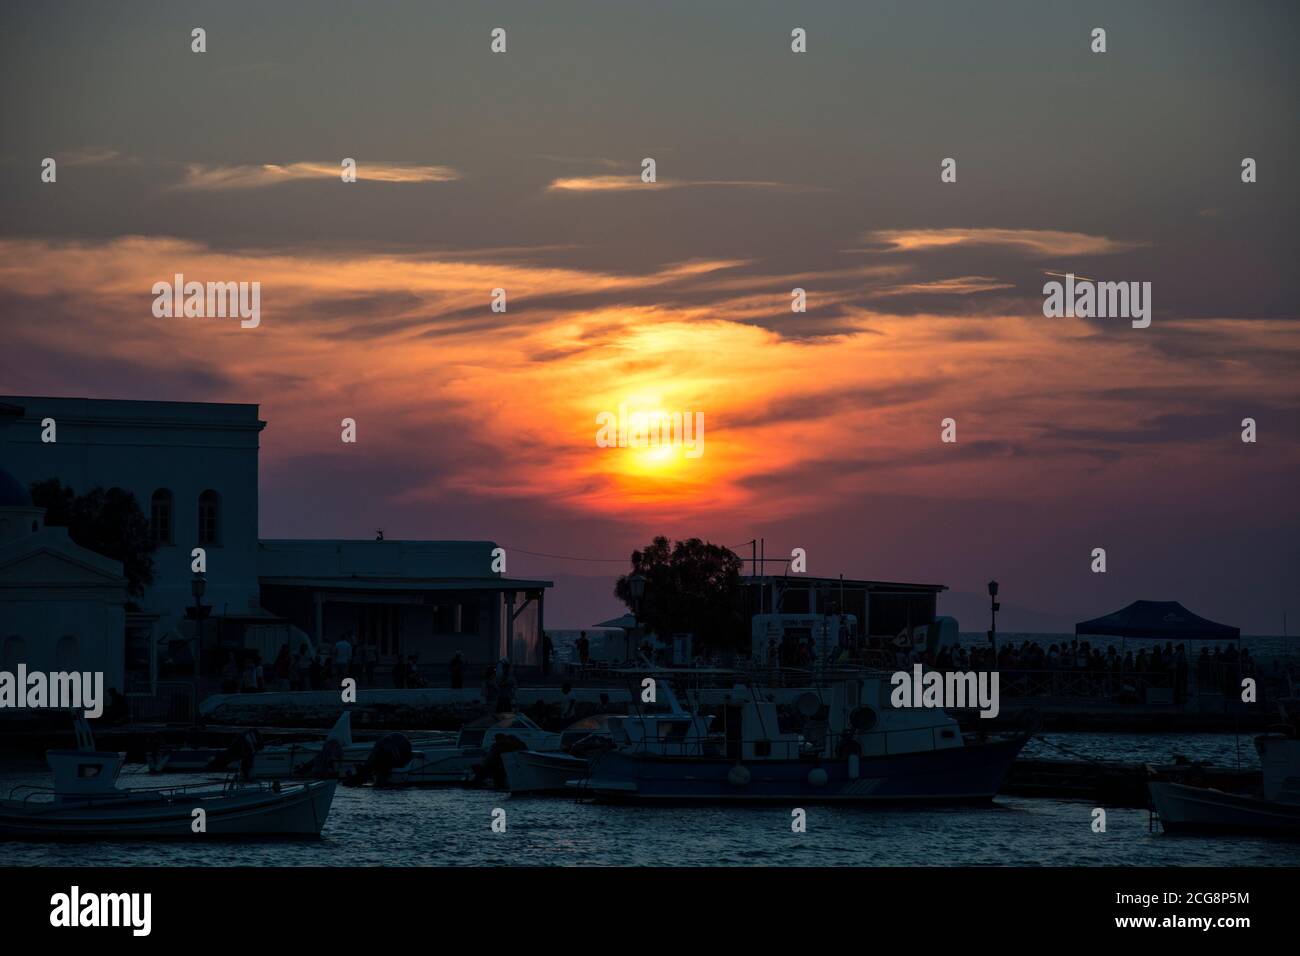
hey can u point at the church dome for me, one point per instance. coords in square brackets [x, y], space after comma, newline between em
[12, 492]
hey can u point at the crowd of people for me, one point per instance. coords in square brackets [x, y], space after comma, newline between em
[1027, 665]
[330, 664]
[314, 670]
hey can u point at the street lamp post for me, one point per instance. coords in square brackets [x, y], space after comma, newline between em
[198, 585]
[993, 618]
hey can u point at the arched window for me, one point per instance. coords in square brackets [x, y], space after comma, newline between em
[15, 652]
[160, 516]
[66, 653]
[209, 517]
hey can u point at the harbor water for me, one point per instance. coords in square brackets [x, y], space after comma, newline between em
[451, 826]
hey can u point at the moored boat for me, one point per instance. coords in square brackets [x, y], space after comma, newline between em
[86, 803]
[1275, 810]
[337, 755]
[456, 763]
[1184, 809]
[535, 772]
[860, 749]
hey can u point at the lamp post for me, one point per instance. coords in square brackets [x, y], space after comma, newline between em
[636, 590]
[993, 618]
[198, 585]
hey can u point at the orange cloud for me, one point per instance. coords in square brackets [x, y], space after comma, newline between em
[618, 183]
[964, 285]
[202, 177]
[504, 405]
[1032, 242]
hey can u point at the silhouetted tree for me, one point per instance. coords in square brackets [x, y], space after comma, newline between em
[108, 522]
[691, 587]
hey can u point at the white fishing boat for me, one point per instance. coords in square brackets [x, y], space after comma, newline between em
[858, 748]
[537, 772]
[1275, 810]
[454, 764]
[337, 755]
[87, 803]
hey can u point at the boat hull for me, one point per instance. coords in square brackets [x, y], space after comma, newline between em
[295, 811]
[529, 772]
[969, 774]
[1184, 809]
[437, 769]
[297, 760]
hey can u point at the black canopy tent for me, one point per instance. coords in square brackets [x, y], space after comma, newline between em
[1158, 620]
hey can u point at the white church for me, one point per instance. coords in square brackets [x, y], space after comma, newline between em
[193, 469]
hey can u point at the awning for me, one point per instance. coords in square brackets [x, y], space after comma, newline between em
[627, 622]
[1161, 620]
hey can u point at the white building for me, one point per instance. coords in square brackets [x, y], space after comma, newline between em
[192, 467]
[62, 607]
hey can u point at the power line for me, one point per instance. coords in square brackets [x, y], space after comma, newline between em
[564, 557]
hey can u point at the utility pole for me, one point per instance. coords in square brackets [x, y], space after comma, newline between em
[993, 618]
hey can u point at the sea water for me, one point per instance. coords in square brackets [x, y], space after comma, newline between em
[452, 827]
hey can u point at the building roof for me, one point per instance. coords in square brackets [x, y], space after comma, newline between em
[385, 565]
[48, 558]
[1158, 619]
[12, 492]
[626, 623]
[111, 411]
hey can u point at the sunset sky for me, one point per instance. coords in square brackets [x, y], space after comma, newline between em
[775, 171]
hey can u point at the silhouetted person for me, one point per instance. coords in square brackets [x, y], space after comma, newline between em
[282, 669]
[369, 660]
[457, 671]
[506, 689]
[230, 675]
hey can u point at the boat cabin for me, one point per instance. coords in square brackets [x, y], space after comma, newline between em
[84, 772]
[850, 716]
[674, 735]
[480, 733]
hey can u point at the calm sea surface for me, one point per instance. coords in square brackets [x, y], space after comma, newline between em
[441, 827]
[449, 827]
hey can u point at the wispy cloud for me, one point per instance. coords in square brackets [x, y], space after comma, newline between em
[408, 344]
[618, 183]
[597, 184]
[202, 177]
[581, 160]
[92, 156]
[1032, 242]
[962, 285]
